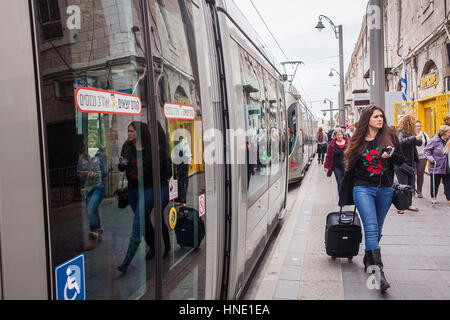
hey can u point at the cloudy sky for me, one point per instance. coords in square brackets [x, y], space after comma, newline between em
[293, 22]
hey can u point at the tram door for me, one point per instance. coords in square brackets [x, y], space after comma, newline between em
[94, 76]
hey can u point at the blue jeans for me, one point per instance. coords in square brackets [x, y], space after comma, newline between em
[137, 203]
[373, 204]
[93, 199]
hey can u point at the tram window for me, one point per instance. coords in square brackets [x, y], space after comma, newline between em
[273, 124]
[84, 146]
[258, 163]
[282, 124]
[177, 78]
[292, 125]
[95, 107]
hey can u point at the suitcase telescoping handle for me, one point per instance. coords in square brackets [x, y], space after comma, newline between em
[344, 220]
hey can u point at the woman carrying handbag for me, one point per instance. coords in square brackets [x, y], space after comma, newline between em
[409, 140]
[370, 158]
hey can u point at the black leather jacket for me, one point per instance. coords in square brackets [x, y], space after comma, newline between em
[408, 146]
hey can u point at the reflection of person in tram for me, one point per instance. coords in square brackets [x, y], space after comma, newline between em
[182, 151]
[92, 174]
[251, 154]
[262, 150]
[136, 161]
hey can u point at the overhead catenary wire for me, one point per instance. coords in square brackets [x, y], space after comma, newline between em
[276, 41]
[262, 19]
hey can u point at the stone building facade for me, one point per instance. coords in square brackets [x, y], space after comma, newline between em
[417, 31]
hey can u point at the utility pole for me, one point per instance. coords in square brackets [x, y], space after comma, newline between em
[341, 79]
[330, 111]
[376, 36]
[338, 33]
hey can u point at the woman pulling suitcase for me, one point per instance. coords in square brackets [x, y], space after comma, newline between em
[370, 158]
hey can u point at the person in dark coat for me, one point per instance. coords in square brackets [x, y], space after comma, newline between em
[438, 162]
[408, 142]
[334, 161]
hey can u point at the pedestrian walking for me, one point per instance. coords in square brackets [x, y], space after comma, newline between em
[420, 166]
[322, 144]
[370, 158]
[409, 139]
[334, 161]
[434, 152]
[350, 131]
[136, 160]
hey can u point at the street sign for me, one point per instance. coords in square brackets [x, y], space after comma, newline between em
[90, 100]
[173, 189]
[70, 280]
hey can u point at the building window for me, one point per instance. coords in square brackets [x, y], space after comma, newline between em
[50, 18]
[427, 7]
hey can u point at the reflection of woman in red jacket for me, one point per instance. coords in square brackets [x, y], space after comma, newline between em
[334, 161]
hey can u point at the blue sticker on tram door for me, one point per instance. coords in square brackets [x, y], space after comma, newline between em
[70, 280]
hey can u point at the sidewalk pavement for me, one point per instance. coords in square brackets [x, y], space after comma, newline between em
[415, 249]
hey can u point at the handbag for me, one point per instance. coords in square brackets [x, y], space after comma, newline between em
[402, 194]
[122, 195]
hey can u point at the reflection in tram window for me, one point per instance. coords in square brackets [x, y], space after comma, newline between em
[85, 149]
[176, 76]
[292, 125]
[273, 131]
[258, 152]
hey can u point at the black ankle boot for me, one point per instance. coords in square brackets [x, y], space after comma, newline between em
[132, 248]
[366, 261]
[374, 258]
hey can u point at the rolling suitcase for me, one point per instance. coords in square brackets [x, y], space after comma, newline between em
[343, 234]
[190, 228]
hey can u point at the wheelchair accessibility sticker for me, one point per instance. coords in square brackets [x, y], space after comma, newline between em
[70, 281]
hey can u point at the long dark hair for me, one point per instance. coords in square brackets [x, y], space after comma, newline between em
[320, 134]
[358, 144]
[142, 137]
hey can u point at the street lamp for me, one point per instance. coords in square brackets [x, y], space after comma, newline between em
[329, 110]
[338, 33]
[331, 72]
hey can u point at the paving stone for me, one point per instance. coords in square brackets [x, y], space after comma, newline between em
[321, 290]
[418, 277]
[443, 263]
[287, 289]
[418, 292]
[359, 291]
[289, 272]
[295, 259]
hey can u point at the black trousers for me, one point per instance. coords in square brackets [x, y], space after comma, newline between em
[420, 170]
[437, 181]
[183, 181]
[404, 178]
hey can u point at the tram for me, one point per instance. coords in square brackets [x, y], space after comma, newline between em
[187, 92]
[302, 128]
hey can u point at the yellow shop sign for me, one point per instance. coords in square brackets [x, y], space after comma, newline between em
[429, 80]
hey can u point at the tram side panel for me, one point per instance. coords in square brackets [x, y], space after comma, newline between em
[23, 268]
[213, 151]
[248, 75]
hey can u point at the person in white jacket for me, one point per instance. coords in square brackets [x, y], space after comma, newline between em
[420, 166]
